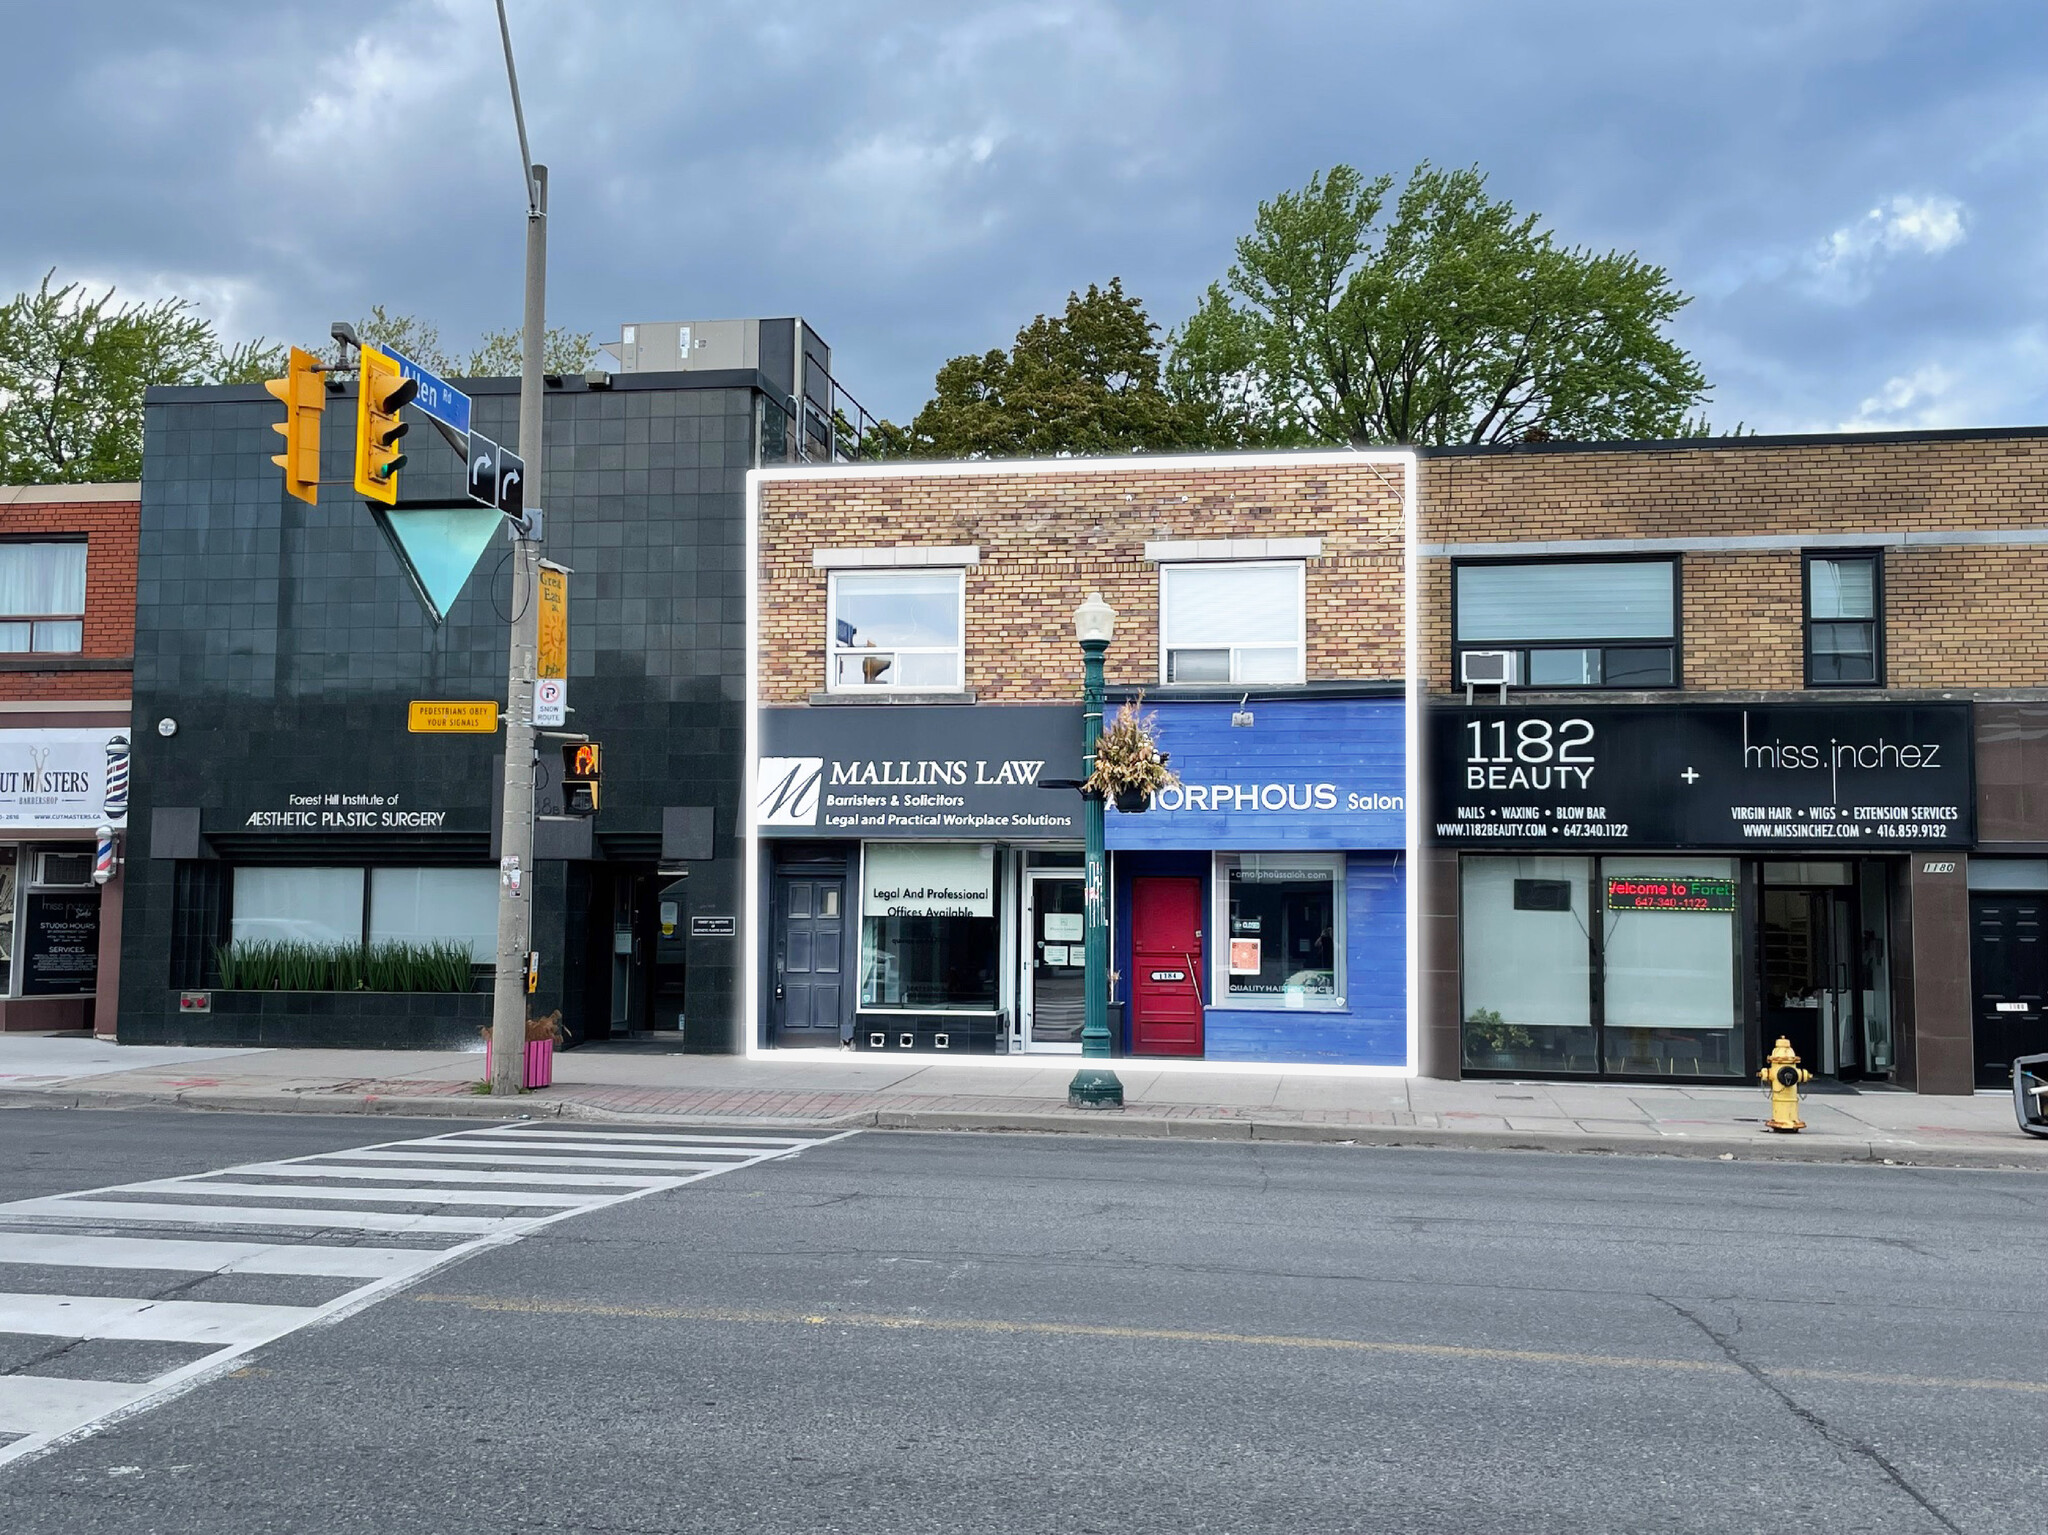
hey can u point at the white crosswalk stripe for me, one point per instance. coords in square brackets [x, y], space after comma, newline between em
[447, 1195]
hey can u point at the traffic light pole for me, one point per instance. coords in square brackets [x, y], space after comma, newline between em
[515, 830]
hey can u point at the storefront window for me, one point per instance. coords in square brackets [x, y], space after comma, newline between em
[7, 866]
[1670, 966]
[929, 939]
[1528, 992]
[426, 905]
[1283, 923]
[298, 905]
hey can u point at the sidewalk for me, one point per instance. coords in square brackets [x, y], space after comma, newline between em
[846, 1091]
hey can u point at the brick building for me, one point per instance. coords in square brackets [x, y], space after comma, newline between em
[1763, 756]
[67, 643]
[915, 874]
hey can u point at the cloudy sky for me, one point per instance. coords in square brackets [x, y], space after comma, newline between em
[1855, 192]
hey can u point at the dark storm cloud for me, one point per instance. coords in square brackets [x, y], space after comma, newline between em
[1852, 191]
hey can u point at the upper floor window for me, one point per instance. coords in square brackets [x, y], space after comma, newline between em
[1227, 623]
[896, 629]
[1844, 620]
[42, 596]
[1572, 624]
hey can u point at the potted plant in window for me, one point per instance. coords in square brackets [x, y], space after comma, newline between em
[1129, 766]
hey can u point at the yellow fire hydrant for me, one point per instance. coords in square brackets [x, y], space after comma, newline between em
[1782, 1074]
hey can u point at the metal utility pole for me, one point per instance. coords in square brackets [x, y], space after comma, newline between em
[515, 839]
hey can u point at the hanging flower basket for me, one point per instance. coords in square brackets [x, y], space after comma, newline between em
[1129, 766]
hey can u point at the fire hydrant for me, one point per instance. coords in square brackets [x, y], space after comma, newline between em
[1782, 1074]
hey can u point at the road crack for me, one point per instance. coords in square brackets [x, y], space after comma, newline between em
[1839, 1439]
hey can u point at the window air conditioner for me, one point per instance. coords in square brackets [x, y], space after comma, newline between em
[1486, 668]
[64, 870]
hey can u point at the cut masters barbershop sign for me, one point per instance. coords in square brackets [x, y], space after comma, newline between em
[897, 771]
[1713, 775]
[63, 779]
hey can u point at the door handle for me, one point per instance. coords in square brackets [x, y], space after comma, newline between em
[1194, 977]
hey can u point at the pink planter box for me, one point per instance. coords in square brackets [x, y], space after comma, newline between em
[540, 1062]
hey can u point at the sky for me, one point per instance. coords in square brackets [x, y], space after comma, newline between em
[1853, 192]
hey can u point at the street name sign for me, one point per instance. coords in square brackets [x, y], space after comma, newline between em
[465, 716]
[438, 399]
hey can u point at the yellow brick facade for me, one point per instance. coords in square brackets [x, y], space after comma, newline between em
[1047, 539]
[1956, 616]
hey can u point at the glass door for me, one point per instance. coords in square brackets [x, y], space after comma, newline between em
[1052, 1000]
[1812, 989]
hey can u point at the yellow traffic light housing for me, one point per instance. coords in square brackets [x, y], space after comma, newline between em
[305, 397]
[582, 777]
[381, 391]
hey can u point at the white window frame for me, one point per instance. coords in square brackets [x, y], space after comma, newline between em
[1220, 865]
[37, 623]
[833, 650]
[1300, 569]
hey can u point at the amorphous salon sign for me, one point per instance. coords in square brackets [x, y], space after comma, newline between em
[1873, 776]
[63, 779]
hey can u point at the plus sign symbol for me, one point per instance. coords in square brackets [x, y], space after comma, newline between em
[1690, 777]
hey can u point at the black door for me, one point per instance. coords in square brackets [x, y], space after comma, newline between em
[1812, 978]
[809, 975]
[2009, 974]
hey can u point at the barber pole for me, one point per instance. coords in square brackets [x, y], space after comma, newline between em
[117, 777]
[103, 856]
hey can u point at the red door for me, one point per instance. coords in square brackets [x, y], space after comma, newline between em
[1166, 961]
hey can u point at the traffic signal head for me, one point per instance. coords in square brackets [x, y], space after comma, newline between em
[305, 397]
[381, 391]
[582, 776]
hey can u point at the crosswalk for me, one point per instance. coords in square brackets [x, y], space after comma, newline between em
[97, 1307]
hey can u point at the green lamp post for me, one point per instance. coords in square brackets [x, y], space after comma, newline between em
[1094, 1087]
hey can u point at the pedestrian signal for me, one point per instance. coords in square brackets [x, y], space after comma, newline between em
[582, 774]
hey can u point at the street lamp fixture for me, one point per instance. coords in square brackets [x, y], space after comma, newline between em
[1094, 1087]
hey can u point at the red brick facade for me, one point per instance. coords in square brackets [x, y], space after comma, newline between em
[108, 517]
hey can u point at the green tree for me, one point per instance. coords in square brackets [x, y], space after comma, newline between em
[1449, 318]
[1086, 381]
[497, 355]
[74, 370]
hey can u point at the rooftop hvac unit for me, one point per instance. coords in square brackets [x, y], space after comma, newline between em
[1486, 669]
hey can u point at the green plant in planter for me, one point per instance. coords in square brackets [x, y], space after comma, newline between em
[1128, 761]
[1496, 1031]
[295, 965]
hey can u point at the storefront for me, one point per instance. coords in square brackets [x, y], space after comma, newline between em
[1260, 904]
[901, 852]
[59, 902]
[1662, 891]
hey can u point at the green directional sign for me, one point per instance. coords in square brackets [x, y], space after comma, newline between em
[439, 547]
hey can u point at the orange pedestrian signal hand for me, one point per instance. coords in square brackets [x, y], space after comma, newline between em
[305, 398]
[582, 777]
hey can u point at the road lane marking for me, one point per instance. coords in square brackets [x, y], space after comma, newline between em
[58, 1207]
[162, 1321]
[171, 1255]
[39, 1404]
[403, 1196]
[50, 1412]
[544, 1307]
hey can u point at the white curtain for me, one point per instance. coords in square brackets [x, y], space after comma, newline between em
[41, 580]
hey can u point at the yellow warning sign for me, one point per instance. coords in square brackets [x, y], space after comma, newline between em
[460, 716]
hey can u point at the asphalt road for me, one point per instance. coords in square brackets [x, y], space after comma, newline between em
[985, 1333]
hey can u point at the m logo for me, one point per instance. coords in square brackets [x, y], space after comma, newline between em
[786, 791]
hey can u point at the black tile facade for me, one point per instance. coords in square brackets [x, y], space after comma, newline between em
[286, 642]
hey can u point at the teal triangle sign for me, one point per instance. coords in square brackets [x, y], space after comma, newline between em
[439, 547]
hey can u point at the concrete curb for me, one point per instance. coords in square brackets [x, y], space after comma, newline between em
[2023, 1156]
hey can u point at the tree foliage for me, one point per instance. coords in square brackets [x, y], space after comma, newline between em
[1090, 380]
[498, 355]
[1449, 318]
[74, 370]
